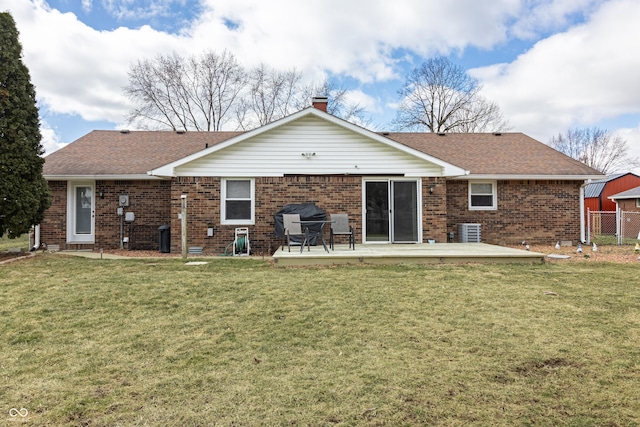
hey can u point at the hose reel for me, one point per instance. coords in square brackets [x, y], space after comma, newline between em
[241, 245]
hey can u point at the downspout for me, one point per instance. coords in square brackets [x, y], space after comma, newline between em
[582, 221]
[36, 236]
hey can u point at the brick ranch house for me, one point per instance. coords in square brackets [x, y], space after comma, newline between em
[396, 187]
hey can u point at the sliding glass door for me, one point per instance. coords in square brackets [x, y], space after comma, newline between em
[405, 211]
[392, 211]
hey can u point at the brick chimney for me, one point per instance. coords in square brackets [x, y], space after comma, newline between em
[320, 102]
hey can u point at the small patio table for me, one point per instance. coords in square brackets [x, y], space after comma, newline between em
[320, 232]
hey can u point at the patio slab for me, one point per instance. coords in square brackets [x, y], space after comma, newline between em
[421, 253]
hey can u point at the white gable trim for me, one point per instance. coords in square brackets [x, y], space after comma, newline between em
[447, 168]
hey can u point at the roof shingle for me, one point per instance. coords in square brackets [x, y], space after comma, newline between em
[118, 153]
[137, 152]
[495, 154]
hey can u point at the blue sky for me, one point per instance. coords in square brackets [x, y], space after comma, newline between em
[549, 64]
[169, 16]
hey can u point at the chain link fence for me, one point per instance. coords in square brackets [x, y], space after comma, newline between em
[613, 227]
[629, 228]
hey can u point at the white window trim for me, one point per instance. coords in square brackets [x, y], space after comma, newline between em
[223, 200]
[494, 196]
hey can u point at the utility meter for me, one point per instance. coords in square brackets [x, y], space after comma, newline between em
[123, 200]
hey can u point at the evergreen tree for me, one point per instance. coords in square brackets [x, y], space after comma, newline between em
[24, 193]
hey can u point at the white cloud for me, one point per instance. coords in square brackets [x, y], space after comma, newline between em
[540, 16]
[576, 78]
[632, 136]
[362, 99]
[82, 71]
[50, 139]
[79, 70]
[359, 38]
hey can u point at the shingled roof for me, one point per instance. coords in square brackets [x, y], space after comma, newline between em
[118, 153]
[495, 154]
[104, 152]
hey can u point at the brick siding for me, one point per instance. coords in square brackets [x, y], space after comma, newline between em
[434, 210]
[53, 228]
[628, 205]
[540, 212]
[148, 200]
[333, 194]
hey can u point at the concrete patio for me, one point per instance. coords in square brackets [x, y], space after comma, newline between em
[437, 253]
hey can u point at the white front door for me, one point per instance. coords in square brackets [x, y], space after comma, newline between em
[80, 212]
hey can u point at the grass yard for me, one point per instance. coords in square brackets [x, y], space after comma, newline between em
[21, 242]
[238, 343]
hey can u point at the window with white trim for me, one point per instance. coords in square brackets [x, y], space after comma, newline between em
[237, 201]
[482, 195]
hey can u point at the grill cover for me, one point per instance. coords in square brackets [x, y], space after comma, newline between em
[307, 212]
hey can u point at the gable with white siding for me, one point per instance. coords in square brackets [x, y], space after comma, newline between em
[310, 144]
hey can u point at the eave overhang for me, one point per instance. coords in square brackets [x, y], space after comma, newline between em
[515, 177]
[121, 177]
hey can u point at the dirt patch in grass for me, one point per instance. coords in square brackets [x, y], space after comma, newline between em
[544, 367]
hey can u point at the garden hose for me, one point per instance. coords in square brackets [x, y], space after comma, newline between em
[241, 244]
[226, 253]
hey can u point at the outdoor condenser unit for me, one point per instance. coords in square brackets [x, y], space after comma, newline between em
[469, 233]
[241, 242]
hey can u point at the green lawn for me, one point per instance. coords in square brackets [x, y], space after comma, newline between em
[238, 343]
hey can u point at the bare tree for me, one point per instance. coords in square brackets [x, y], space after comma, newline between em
[597, 148]
[440, 96]
[196, 93]
[272, 94]
[209, 91]
[339, 103]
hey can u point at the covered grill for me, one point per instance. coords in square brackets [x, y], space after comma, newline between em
[307, 212]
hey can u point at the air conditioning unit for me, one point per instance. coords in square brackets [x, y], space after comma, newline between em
[469, 233]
